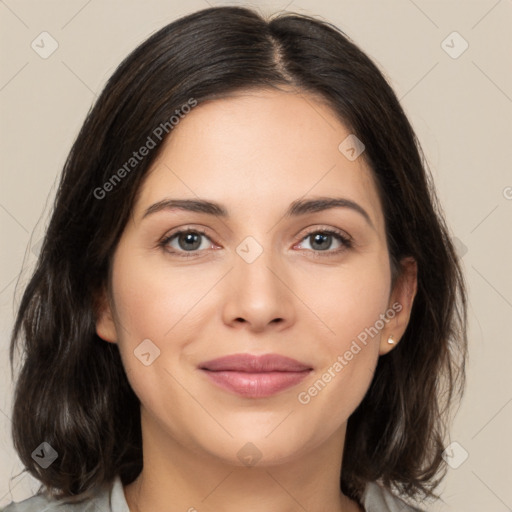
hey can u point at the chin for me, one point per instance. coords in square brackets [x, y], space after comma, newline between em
[256, 447]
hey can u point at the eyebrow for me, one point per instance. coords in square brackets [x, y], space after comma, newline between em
[296, 208]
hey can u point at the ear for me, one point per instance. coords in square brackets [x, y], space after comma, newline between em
[401, 300]
[105, 326]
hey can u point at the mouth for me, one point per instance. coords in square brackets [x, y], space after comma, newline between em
[255, 376]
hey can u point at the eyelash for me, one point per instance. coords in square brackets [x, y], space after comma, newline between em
[339, 235]
[346, 242]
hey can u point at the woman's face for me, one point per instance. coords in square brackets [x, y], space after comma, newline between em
[268, 276]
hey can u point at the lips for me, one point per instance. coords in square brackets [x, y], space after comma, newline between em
[254, 364]
[255, 376]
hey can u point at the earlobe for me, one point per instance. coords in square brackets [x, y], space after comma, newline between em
[105, 326]
[387, 343]
[401, 300]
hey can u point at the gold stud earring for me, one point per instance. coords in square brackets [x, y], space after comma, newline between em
[391, 341]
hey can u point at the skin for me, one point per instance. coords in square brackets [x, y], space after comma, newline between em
[254, 152]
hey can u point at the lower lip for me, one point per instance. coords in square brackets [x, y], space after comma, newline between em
[256, 385]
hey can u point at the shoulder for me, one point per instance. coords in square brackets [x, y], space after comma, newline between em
[378, 499]
[42, 504]
[109, 498]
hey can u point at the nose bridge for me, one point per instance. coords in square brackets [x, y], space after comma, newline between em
[255, 265]
[259, 295]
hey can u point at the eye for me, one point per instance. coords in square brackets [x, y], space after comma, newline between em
[189, 242]
[321, 240]
[186, 241]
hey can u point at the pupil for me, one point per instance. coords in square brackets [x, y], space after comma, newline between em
[191, 241]
[318, 238]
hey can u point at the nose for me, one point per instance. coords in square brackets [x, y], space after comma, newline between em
[259, 295]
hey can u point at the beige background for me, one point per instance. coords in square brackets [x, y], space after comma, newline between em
[460, 107]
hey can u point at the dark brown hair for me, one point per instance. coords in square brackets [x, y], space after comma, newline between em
[72, 390]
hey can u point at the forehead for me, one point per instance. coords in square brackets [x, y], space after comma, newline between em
[257, 151]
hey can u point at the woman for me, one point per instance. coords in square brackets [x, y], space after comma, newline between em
[247, 295]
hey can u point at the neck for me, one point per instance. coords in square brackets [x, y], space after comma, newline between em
[178, 478]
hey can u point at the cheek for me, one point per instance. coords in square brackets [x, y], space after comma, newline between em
[350, 300]
[149, 303]
[160, 305]
[351, 305]
[152, 301]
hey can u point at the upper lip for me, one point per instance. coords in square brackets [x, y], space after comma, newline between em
[255, 364]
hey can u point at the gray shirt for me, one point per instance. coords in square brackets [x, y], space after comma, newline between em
[112, 499]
